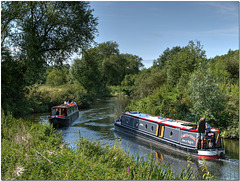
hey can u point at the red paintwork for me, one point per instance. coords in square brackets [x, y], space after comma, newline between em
[63, 117]
[162, 122]
[209, 157]
[63, 106]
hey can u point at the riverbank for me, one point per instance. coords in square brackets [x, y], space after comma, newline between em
[34, 151]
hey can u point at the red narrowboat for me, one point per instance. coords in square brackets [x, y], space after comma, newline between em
[63, 115]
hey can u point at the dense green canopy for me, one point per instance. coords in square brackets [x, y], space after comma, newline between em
[37, 33]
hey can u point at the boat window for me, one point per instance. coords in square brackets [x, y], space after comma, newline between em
[137, 123]
[146, 126]
[171, 134]
[57, 112]
[152, 128]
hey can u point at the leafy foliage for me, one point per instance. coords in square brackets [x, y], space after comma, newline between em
[208, 100]
[49, 30]
[103, 66]
[13, 84]
[56, 77]
[86, 72]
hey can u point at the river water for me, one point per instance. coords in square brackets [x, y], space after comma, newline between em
[96, 123]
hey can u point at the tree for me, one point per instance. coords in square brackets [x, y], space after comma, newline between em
[184, 62]
[47, 31]
[228, 65]
[13, 85]
[107, 49]
[164, 57]
[133, 63]
[111, 66]
[207, 99]
[113, 69]
[86, 71]
[57, 76]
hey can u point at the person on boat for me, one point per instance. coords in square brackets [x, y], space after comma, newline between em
[207, 128]
[201, 131]
[73, 102]
[65, 102]
[57, 113]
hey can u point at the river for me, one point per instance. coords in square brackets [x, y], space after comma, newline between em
[96, 123]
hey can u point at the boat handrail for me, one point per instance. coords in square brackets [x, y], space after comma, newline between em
[135, 112]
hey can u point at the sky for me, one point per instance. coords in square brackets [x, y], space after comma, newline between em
[147, 28]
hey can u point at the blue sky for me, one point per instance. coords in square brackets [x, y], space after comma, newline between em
[147, 28]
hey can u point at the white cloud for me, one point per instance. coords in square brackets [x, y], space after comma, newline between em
[226, 9]
[233, 32]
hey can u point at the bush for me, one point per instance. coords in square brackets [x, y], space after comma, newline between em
[42, 98]
[56, 77]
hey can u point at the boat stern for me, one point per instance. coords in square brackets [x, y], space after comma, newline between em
[211, 154]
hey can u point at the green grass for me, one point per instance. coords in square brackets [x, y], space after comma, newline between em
[36, 152]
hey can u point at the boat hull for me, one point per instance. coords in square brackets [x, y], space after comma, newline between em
[63, 121]
[211, 154]
[157, 143]
[160, 142]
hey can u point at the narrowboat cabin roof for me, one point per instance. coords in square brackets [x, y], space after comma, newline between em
[63, 106]
[166, 121]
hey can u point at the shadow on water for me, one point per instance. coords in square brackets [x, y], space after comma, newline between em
[96, 123]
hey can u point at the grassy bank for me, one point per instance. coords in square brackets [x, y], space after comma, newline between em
[34, 151]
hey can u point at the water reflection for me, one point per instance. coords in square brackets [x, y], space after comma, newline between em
[232, 151]
[159, 157]
[96, 124]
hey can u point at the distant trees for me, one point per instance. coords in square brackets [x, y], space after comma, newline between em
[86, 71]
[103, 66]
[57, 76]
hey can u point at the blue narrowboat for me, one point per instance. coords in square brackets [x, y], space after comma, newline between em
[176, 133]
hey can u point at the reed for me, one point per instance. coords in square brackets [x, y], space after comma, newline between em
[120, 105]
